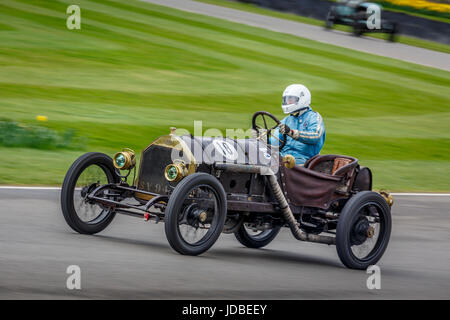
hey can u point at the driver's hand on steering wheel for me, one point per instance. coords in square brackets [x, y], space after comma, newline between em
[257, 133]
[284, 129]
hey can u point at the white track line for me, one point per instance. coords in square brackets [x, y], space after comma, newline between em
[422, 194]
[394, 194]
[29, 188]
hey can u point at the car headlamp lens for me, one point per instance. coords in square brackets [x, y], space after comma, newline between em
[120, 160]
[172, 172]
[175, 171]
[124, 160]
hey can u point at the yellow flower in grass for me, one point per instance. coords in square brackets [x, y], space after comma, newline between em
[422, 4]
[41, 118]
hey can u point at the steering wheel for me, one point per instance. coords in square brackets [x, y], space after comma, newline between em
[265, 120]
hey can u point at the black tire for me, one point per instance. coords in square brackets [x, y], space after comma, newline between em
[393, 34]
[357, 30]
[176, 205]
[329, 20]
[351, 215]
[256, 241]
[69, 211]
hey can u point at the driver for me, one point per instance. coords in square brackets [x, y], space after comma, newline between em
[304, 127]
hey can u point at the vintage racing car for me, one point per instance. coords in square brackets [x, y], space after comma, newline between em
[354, 13]
[203, 186]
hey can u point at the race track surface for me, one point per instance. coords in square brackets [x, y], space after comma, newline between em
[131, 259]
[343, 39]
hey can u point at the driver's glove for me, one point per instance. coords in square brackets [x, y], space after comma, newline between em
[284, 129]
[258, 133]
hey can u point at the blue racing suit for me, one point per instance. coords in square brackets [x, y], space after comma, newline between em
[310, 132]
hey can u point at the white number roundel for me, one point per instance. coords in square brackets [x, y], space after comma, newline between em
[226, 149]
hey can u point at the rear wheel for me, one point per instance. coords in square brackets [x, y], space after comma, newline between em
[195, 214]
[255, 239]
[86, 173]
[363, 230]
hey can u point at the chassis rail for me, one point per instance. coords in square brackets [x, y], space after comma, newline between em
[123, 208]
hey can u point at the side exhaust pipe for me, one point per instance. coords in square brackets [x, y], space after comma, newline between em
[278, 193]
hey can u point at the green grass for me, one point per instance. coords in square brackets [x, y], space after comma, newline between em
[135, 69]
[431, 45]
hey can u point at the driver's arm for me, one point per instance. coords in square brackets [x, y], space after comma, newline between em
[277, 133]
[312, 133]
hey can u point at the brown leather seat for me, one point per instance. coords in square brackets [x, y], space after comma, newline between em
[322, 179]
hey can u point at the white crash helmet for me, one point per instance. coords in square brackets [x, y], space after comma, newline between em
[296, 97]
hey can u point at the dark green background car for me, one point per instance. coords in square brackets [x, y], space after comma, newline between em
[355, 13]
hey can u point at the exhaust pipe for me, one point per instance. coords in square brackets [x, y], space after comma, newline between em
[278, 193]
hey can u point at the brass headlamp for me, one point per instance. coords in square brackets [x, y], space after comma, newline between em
[388, 197]
[125, 159]
[175, 171]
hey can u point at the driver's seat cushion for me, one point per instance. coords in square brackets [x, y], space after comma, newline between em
[335, 165]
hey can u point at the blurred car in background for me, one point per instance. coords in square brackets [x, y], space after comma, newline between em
[354, 13]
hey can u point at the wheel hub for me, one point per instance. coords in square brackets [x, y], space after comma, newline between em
[361, 231]
[195, 215]
[201, 216]
[85, 191]
[370, 232]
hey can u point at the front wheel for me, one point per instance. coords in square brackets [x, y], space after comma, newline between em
[255, 239]
[86, 173]
[195, 214]
[363, 230]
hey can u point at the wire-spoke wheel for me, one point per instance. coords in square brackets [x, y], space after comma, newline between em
[255, 239]
[363, 230]
[195, 214]
[86, 173]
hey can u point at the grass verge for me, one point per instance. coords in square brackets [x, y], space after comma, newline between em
[135, 69]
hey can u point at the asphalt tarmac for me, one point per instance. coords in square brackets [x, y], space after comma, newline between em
[380, 47]
[132, 259]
